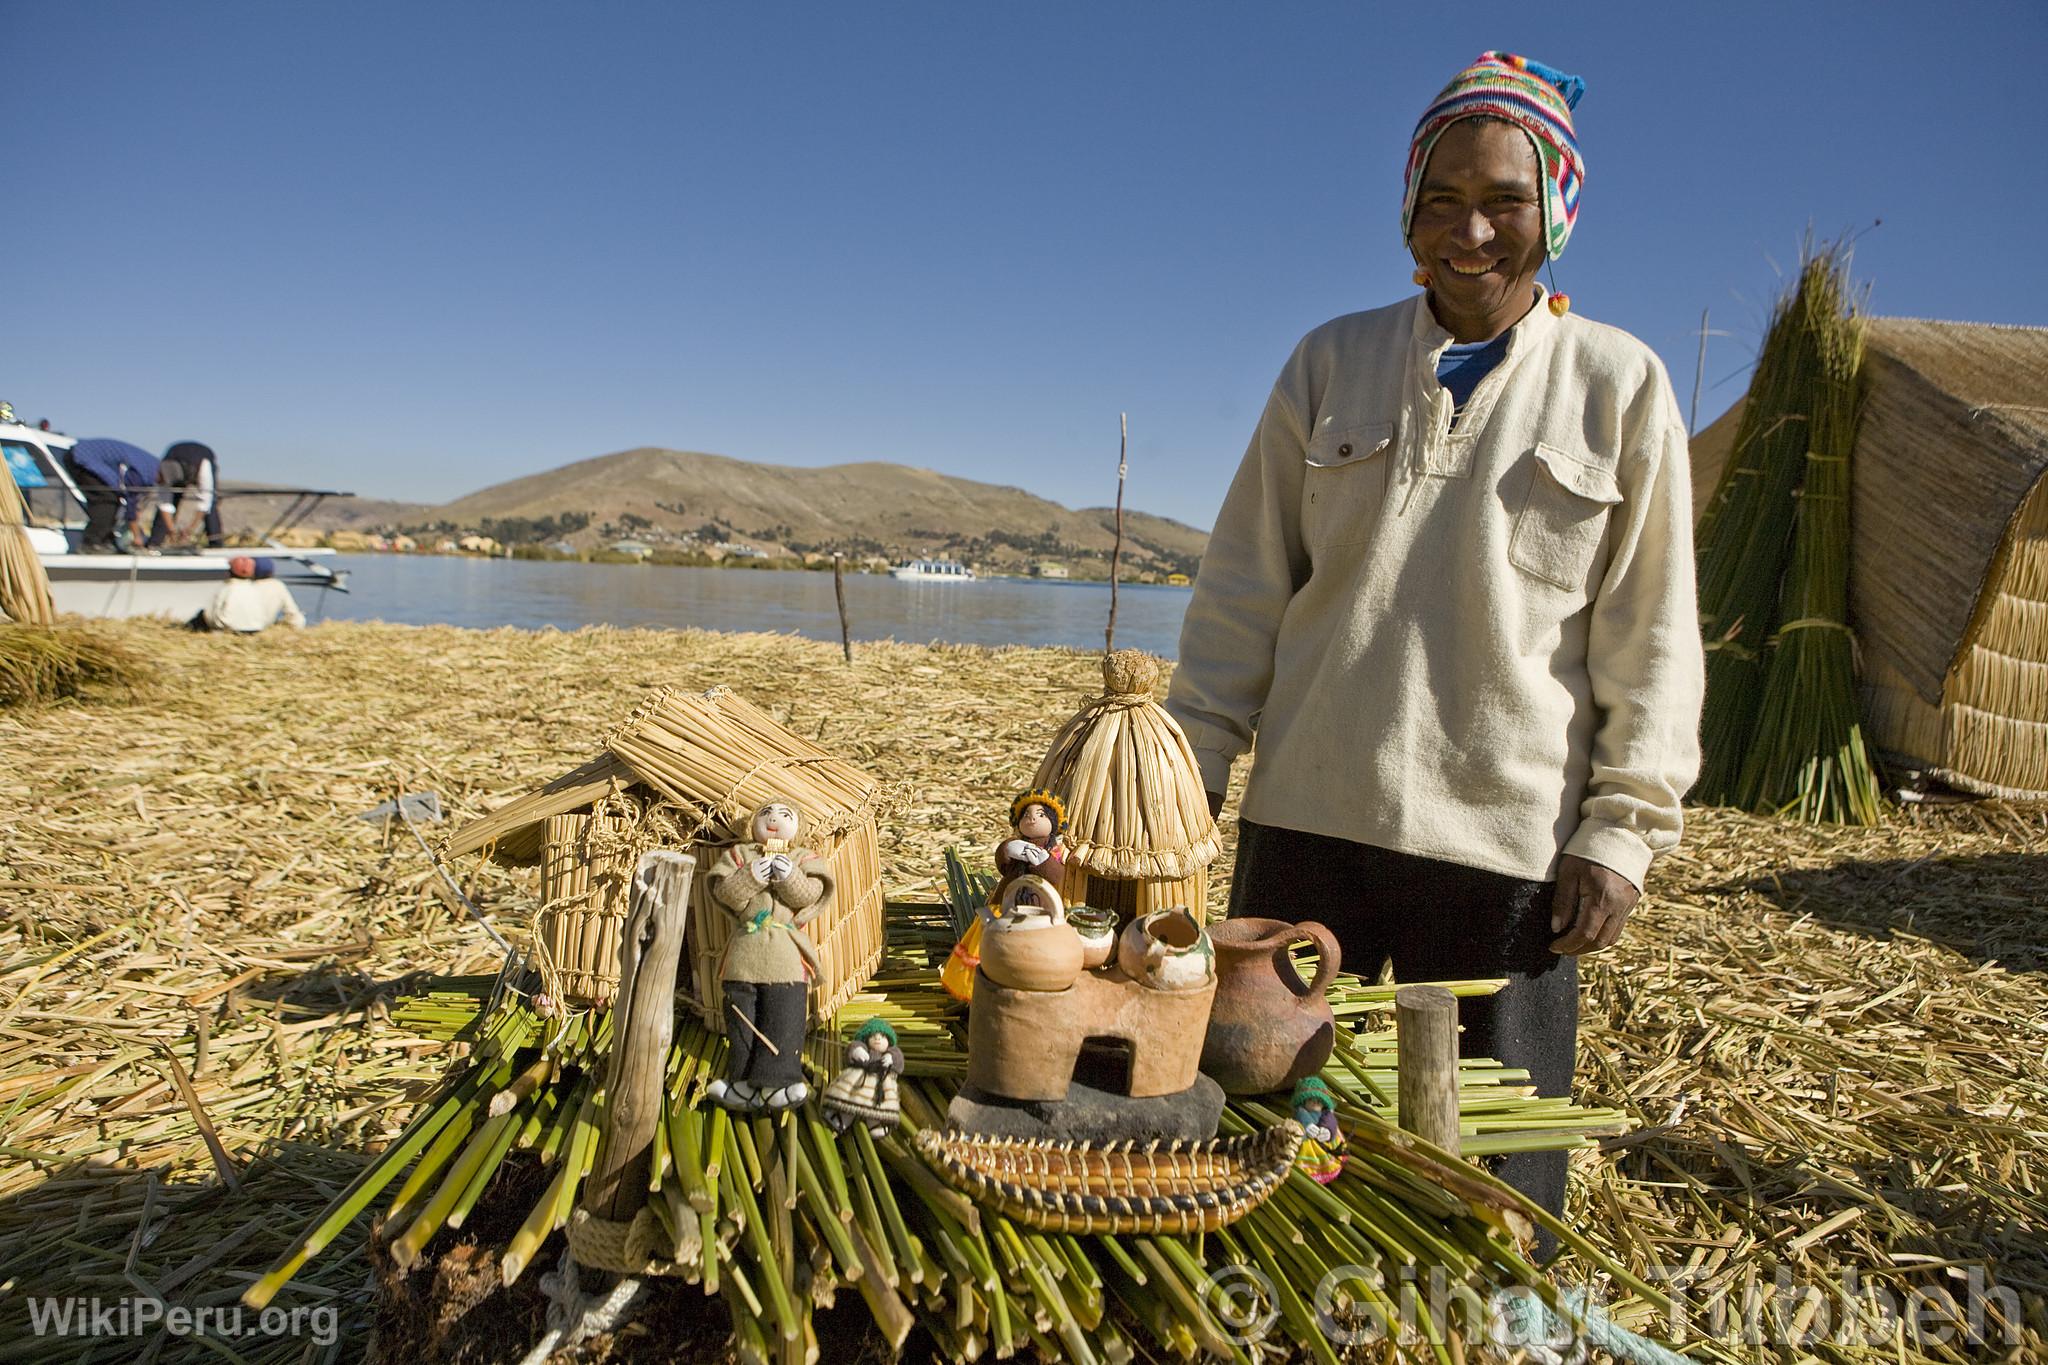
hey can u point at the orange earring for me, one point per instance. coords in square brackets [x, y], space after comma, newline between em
[1421, 277]
[1560, 304]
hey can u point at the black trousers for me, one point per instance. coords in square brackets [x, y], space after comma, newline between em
[778, 1009]
[1436, 921]
[102, 511]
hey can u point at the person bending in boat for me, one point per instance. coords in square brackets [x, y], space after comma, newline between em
[1451, 589]
[772, 888]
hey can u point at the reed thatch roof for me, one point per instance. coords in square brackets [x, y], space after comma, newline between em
[713, 757]
[1953, 437]
[1136, 808]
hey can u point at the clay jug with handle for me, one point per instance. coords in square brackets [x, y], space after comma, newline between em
[1268, 1029]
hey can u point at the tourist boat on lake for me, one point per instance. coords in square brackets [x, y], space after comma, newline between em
[177, 583]
[934, 570]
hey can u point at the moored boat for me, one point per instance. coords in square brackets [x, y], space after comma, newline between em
[934, 570]
[175, 583]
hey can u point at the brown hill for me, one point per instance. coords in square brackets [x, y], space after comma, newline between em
[690, 500]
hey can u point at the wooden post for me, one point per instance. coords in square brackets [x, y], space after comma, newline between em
[839, 591]
[642, 1028]
[1426, 1042]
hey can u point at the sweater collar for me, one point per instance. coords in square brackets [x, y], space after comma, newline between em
[1431, 338]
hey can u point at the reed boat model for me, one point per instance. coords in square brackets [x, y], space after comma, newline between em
[1124, 1188]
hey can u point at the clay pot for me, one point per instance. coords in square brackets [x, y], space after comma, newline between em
[1031, 947]
[1267, 1029]
[1097, 931]
[1167, 950]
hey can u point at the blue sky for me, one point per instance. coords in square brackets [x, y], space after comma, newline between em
[411, 249]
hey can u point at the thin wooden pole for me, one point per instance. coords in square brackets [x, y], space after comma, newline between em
[644, 1027]
[1426, 1046]
[1692, 423]
[1116, 554]
[839, 591]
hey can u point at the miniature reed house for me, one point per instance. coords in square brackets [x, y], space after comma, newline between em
[686, 771]
[1139, 834]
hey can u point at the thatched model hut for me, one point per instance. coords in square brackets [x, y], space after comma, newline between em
[1948, 575]
[687, 771]
[1139, 834]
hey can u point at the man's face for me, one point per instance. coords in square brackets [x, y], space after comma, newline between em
[1478, 221]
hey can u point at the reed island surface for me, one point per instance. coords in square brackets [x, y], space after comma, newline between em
[1830, 1041]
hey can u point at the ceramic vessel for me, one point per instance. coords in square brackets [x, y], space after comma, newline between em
[1167, 950]
[1031, 947]
[1268, 1029]
[1097, 931]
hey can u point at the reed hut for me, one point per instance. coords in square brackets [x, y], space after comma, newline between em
[1948, 576]
[1139, 835]
[687, 771]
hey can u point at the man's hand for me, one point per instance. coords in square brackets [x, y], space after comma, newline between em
[1215, 804]
[1591, 905]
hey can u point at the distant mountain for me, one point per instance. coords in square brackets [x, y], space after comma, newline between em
[690, 500]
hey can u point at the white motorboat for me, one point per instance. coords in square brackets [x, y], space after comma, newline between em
[175, 583]
[934, 570]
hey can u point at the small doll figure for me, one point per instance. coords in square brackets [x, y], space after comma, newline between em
[1322, 1149]
[865, 1091]
[771, 888]
[1037, 847]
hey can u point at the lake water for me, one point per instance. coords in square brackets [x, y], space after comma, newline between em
[447, 590]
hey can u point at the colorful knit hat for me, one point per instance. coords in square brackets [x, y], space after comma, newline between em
[1535, 98]
[876, 1027]
[1312, 1088]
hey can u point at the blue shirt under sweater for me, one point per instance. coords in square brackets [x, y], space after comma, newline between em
[1464, 364]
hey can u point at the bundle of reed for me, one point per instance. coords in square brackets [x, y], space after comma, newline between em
[775, 1215]
[1807, 759]
[1744, 539]
[1139, 834]
[717, 757]
[41, 664]
[586, 873]
[24, 587]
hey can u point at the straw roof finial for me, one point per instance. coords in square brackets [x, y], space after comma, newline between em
[1129, 672]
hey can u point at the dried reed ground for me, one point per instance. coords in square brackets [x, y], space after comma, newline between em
[1835, 1042]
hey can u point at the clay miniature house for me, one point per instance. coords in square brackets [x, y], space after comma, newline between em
[1106, 1030]
[687, 771]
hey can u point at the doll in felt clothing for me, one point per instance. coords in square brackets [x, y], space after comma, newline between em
[865, 1091]
[1322, 1150]
[1039, 819]
[772, 888]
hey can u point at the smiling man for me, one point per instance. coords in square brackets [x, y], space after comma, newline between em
[1450, 595]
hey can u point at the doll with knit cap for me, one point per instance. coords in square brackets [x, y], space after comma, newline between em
[771, 887]
[1322, 1149]
[864, 1092]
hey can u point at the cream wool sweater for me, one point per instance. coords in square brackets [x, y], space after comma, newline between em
[1477, 645]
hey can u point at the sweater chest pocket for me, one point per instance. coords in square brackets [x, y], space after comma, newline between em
[1344, 484]
[1558, 531]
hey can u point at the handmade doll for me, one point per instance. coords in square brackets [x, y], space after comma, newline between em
[1038, 817]
[865, 1091]
[1035, 847]
[1322, 1149]
[772, 888]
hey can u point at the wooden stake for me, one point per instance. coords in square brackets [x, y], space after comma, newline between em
[1426, 1042]
[839, 591]
[645, 1025]
[1116, 554]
